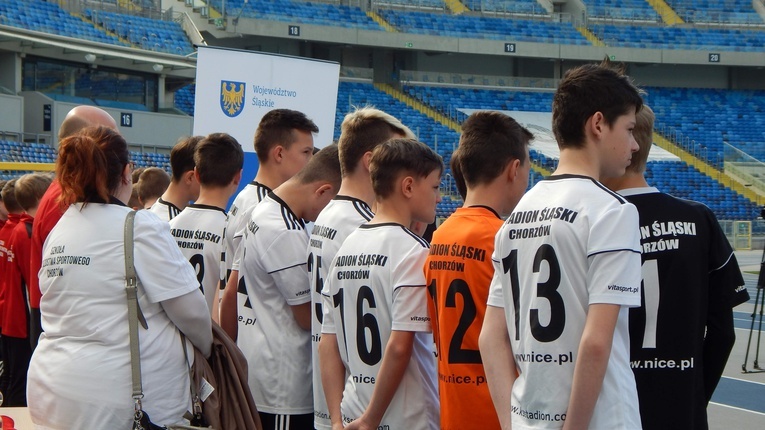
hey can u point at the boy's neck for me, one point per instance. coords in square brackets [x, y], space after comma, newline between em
[490, 195]
[578, 161]
[629, 180]
[392, 210]
[294, 194]
[176, 195]
[214, 196]
[268, 177]
[358, 186]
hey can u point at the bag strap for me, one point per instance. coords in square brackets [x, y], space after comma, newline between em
[134, 311]
[195, 400]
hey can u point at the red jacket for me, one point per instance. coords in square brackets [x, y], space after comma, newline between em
[15, 307]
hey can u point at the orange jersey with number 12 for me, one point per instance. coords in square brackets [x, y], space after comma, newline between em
[458, 271]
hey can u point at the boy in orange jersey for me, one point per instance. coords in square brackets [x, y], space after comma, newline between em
[493, 159]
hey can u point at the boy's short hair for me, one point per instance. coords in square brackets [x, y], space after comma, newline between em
[362, 130]
[324, 166]
[277, 128]
[2, 184]
[459, 178]
[586, 90]
[182, 156]
[9, 197]
[136, 175]
[396, 156]
[152, 183]
[30, 188]
[489, 141]
[218, 158]
[643, 133]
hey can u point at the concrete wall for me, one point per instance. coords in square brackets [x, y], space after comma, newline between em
[679, 75]
[11, 109]
[147, 128]
[10, 71]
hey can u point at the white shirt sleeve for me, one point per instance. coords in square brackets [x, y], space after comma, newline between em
[496, 295]
[409, 311]
[285, 260]
[328, 318]
[162, 269]
[613, 275]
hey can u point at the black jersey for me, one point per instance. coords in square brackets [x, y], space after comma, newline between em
[691, 281]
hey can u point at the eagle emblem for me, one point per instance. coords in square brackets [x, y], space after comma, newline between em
[231, 97]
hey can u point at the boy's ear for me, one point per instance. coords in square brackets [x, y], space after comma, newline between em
[511, 170]
[323, 188]
[407, 186]
[366, 158]
[238, 178]
[190, 175]
[596, 123]
[276, 153]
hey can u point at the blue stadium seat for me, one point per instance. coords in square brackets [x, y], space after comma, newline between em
[299, 12]
[48, 17]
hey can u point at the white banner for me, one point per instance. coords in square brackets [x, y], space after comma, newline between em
[235, 89]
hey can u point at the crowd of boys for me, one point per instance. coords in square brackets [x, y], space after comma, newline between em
[539, 302]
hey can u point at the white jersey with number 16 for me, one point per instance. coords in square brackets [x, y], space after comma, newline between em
[376, 285]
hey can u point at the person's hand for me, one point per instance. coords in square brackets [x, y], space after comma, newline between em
[360, 424]
[337, 426]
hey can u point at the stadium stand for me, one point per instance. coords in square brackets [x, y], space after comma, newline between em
[660, 37]
[484, 27]
[448, 99]
[26, 152]
[529, 7]
[150, 34]
[622, 9]
[707, 117]
[299, 12]
[151, 159]
[681, 180]
[13, 151]
[48, 17]
[422, 4]
[184, 99]
[717, 11]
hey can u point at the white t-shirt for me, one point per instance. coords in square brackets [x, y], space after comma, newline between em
[338, 219]
[376, 284]
[80, 374]
[568, 244]
[274, 277]
[200, 233]
[238, 215]
[164, 210]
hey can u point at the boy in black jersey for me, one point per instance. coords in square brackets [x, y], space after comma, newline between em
[682, 334]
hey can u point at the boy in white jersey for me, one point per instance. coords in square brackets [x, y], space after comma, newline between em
[275, 319]
[361, 131]
[151, 184]
[376, 350]
[284, 145]
[200, 228]
[183, 187]
[567, 268]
